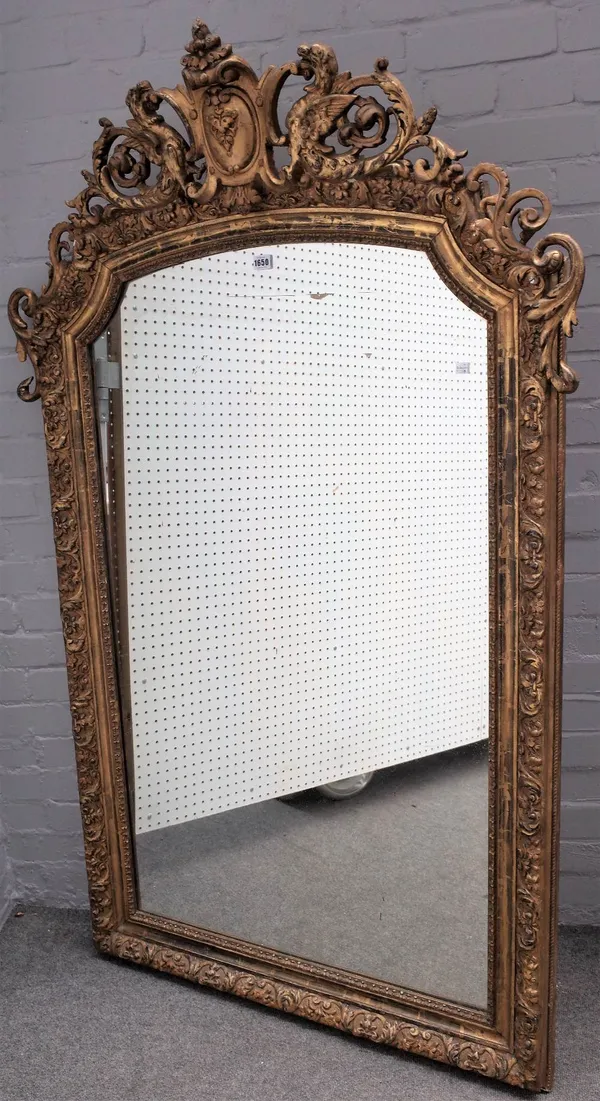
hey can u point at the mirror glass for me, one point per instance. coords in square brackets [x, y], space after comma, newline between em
[295, 450]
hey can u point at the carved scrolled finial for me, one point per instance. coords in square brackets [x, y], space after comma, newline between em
[565, 380]
[426, 121]
[21, 305]
[24, 393]
[562, 269]
[204, 51]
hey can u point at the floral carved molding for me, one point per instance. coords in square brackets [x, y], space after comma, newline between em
[367, 1025]
[347, 142]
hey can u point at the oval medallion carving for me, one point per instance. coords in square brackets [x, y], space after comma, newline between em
[231, 131]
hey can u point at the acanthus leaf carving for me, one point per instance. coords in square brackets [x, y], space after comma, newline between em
[149, 177]
[324, 1009]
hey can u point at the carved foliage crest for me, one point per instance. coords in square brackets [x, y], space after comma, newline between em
[150, 175]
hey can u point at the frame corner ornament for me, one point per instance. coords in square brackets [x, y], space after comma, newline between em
[350, 144]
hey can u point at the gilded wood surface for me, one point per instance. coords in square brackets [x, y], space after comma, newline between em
[156, 191]
[382, 1028]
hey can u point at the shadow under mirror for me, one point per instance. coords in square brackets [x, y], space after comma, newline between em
[295, 449]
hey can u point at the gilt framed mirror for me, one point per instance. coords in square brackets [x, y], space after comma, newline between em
[303, 386]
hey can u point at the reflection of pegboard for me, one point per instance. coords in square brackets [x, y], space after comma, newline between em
[306, 487]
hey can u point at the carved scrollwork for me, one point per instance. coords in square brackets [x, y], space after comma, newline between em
[377, 1027]
[533, 802]
[148, 176]
[548, 279]
[351, 143]
[325, 110]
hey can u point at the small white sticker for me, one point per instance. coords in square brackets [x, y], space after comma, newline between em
[262, 263]
[463, 368]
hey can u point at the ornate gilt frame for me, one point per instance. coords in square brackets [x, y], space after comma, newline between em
[159, 194]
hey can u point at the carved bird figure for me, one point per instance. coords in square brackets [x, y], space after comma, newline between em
[316, 115]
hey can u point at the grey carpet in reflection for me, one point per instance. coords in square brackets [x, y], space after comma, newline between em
[80, 1027]
[391, 883]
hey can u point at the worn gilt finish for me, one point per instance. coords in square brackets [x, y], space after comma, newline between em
[160, 193]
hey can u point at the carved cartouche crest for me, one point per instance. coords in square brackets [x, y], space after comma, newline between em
[221, 158]
[345, 148]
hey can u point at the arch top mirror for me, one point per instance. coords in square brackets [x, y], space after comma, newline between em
[303, 389]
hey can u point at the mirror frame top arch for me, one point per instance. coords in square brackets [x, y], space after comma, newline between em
[159, 194]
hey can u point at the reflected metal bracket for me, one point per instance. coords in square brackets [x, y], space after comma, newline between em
[108, 374]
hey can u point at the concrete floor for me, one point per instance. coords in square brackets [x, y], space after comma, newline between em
[78, 1027]
[391, 883]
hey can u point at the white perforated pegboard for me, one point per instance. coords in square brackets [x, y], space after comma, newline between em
[307, 552]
